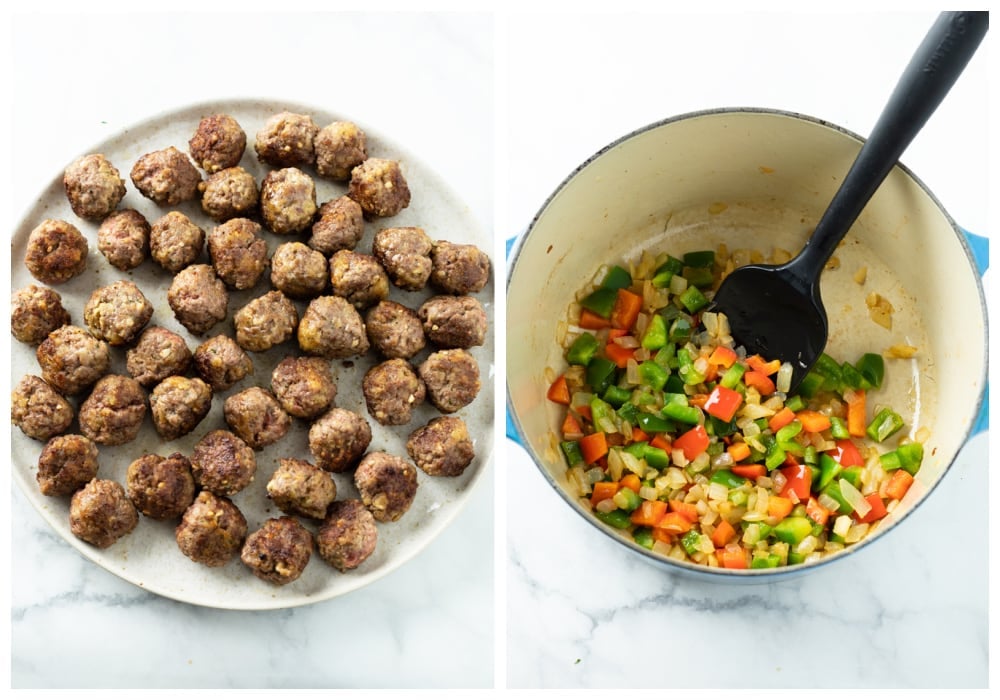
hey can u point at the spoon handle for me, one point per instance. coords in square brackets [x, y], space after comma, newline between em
[934, 68]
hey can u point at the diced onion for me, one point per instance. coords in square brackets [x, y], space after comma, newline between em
[615, 465]
[678, 458]
[717, 492]
[807, 545]
[648, 493]
[828, 502]
[841, 525]
[632, 372]
[626, 341]
[595, 474]
[854, 497]
[678, 284]
[633, 463]
[606, 506]
[579, 479]
[783, 382]
[856, 532]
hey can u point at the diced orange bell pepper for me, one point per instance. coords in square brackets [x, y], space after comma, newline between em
[732, 557]
[619, 355]
[778, 507]
[559, 391]
[571, 429]
[593, 447]
[856, 414]
[780, 419]
[899, 484]
[758, 363]
[759, 381]
[649, 513]
[593, 322]
[723, 357]
[813, 421]
[603, 490]
[626, 309]
[739, 451]
[674, 523]
[661, 442]
[723, 533]
[630, 481]
[687, 510]
[816, 511]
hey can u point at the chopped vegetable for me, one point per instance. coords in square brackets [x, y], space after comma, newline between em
[626, 309]
[558, 391]
[593, 447]
[582, 351]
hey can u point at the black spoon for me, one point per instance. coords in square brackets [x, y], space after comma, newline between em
[776, 311]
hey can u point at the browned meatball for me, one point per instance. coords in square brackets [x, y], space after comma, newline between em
[211, 531]
[118, 312]
[175, 241]
[160, 488]
[298, 270]
[304, 385]
[339, 148]
[71, 359]
[379, 187]
[442, 447]
[265, 322]
[287, 139]
[178, 405]
[198, 298]
[454, 322]
[218, 143]
[387, 485]
[221, 362]
[93, 186]
[35, 312]
[405, 253]
[452, 379]
[392, 390]
[394, 330]
[300, 488]
[123, 239]
[287, 201]
[332, 328]
[158, 354]
[279, 551]
[348, 535]
[56, 252]
[38, 410]
[256, 417]
[358, 278]
[338, 438]
[101, 514]
[67, 463]
[459, 269]
[114, 411]
[228, 194]
[238, 254]
[340, 226]
[222, 463]
[167, 177]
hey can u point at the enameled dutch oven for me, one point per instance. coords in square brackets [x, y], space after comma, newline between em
[757, 179]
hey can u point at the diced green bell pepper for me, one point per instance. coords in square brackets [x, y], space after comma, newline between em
[600, 374]
[838, 429]
[764, 561]
[908, 457]
[643, 537]
[655, 336]
[617, 518]
[652, 375]
[852, 378]
[830, 370]
[789, 431]
[662, 279]
[852, 475]
[664, 355]
[683, 414]
[617, 396]
[690, 541]
[810, 456]
[626, 499]
[699, 277]
[775, 456]
[582, 351]
[885, 424]
[833, 491]
[653, 424]
[793, 529]
[795, 403]
[680, 330]
[656, 457]
[672, 264]
[811, 384]
[601, 410]
[629, 412]
[720, 428]
[699, 258]
[601, 301]
[829, 469]
[693, 299]
[571, 450]
[872, 368]
[727, 479]
[617, 278]
[795, 558]
[674, 385]
[733, 375]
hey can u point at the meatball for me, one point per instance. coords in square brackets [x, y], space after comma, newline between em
[211, 530]
[56, 252]
[265, 322]
[35, 312]
[67, 463]
[256, 417]
[301, 488]
[287, 139]
[304, 386]
[123, 239]
[452, 379]
[279, 551]
[221, 362]
[287, 201]
[387, 485]
[38, 410]
[459, 269]
[298, 271]
[71, 359]
[229, 193]
[340, 226]
[218, 143]
[114, 411]
[379, 187]
[198, 298]
[339, 148]
[338, 438]
[158, 354]
[167, 177]
[222, 463]
[238, 254]
[347, 536]
[332, 328]
[454, 322]
[358, 278]
[160, 488]
[101, 514]
[93, 186]
[392, 390]
[175, 241]
[405, 253]
[178, 405]
[442, 447]
[118, 312]
[394, 330]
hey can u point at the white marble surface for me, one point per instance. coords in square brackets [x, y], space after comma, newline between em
[910, 610]
[424, 80]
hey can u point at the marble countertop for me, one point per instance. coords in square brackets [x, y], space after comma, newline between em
[421, 79]
[908, 611]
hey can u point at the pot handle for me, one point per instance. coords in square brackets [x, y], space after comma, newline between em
[980, 247]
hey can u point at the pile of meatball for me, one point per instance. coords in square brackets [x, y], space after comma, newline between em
[347, 314]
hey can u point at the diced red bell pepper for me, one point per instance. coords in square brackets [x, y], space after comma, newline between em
[847, 453]
[878, 510]
[693, 442]
[760, 382]
[749, 471]
[723, 403]
[798, 480]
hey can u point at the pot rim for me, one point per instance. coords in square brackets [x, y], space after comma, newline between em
[751, 575]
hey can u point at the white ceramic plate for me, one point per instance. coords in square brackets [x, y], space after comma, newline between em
[149, 556]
